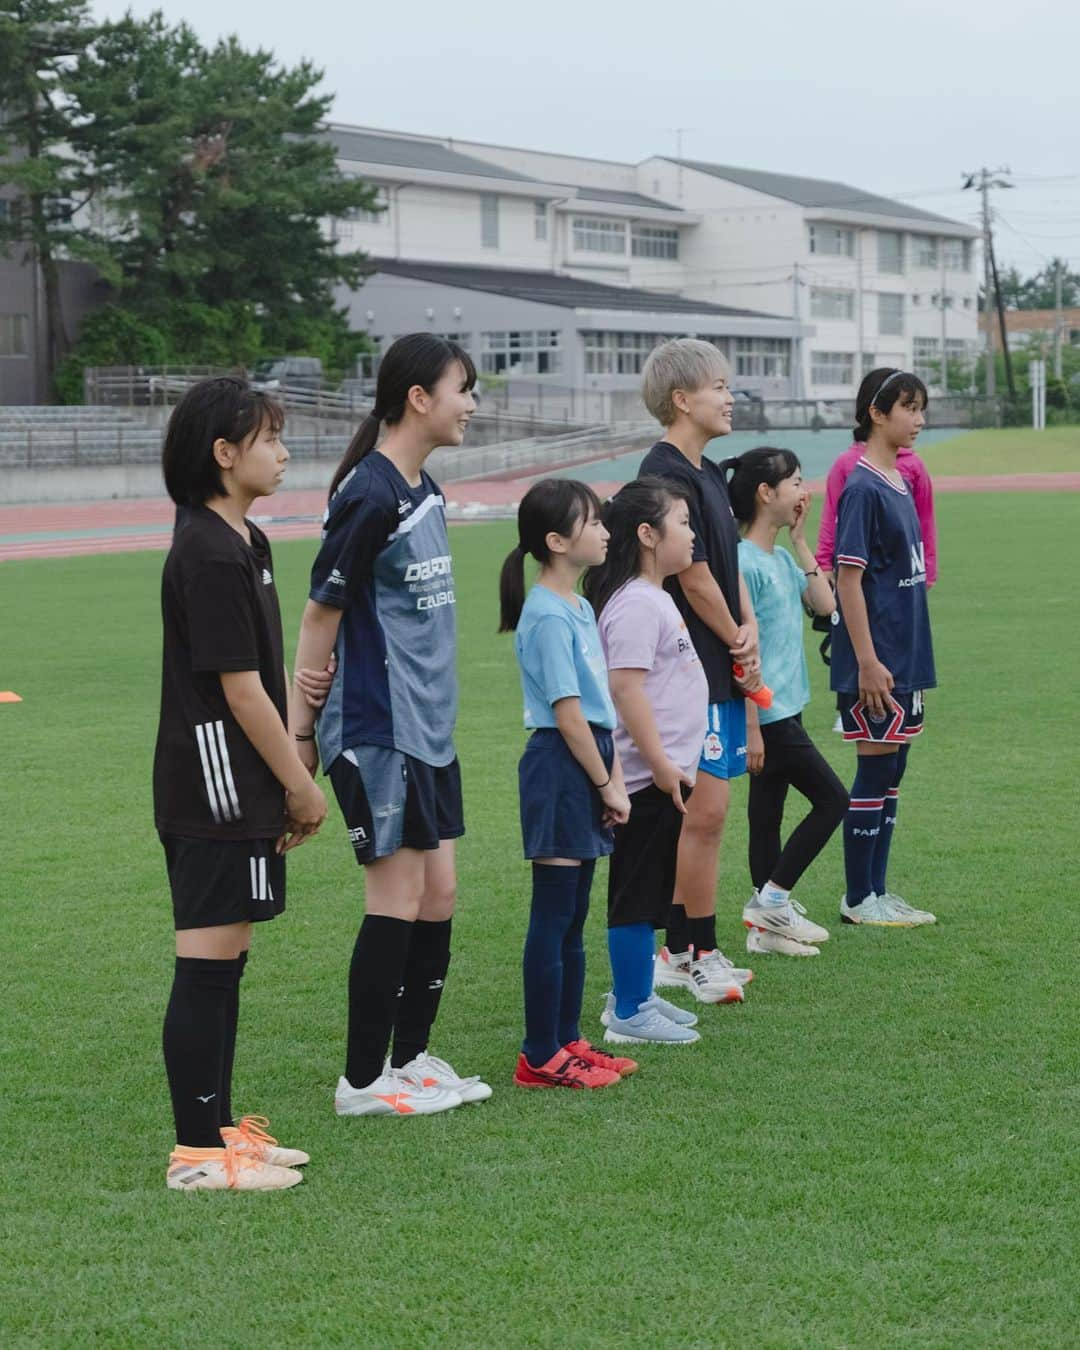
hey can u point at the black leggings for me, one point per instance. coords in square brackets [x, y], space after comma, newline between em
[791, 760]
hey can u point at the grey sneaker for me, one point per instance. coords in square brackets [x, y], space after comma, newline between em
[679, 1016]
[648, 1024]
[875, 912]
[917, 916]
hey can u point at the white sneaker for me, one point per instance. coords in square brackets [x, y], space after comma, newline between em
[740, 974]
[225, 1169]
[838, 725]
[679, 1016]
[648, 1025]
[431, 1072]
[875, 912]
[761, 940]
[788, 919]
[712, 980]
[671, 970]
[392, 1095]
[917, 916]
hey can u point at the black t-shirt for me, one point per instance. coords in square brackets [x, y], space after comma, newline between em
[716, 542]
[219, 611]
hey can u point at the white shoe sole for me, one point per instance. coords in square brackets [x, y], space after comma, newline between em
[765, 942]
[732, 993]
[669, 980]
[380, 1108]
[619, 1038]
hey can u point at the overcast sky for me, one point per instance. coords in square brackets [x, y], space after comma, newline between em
[900, 99]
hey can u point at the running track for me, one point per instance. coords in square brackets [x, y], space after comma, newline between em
[70, 529]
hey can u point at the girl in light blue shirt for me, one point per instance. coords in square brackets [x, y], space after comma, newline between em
[569, 777]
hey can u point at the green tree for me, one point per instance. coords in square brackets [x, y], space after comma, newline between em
[218, 184]
[39, 42]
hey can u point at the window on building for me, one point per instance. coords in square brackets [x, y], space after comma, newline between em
[595, 235]
[540, 220]
[890, 251]
[967, 301]
[957, 254]
[834, 240]
[832, 367]
[521, 352]
[926, 358]
[489, 220]
[653, 241]
[462, 339]
[829, 303]
[609, 353]
[925, 249]
[14, 334]
[890, 313]
[762, 358]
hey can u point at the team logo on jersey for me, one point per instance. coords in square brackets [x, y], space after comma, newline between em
[336, 579]
[714, 746]
[404, 506]
[268, 580]
[918, 566]
[430, 567]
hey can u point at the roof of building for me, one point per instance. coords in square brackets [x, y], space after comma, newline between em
[591, 194]
[368, 147]
[812, 192]
[551, 288]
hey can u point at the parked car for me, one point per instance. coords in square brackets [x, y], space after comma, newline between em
[815, 413]
[749, 411]
[291, 372]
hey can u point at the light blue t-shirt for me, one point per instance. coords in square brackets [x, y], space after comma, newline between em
[559, 652]
[776, 583]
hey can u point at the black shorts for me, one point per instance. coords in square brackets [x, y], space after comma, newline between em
[903, 719]
[641, 878]
[391, 801]
[220, 881]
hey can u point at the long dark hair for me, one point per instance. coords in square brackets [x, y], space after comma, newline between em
[882, 389]
[645, 501]
[416, 358]
[744, 474]
[223, 408]
[551, 506]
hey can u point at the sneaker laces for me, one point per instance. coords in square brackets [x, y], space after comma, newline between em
[254, 1139]
[233, 1160]
[441, 1068]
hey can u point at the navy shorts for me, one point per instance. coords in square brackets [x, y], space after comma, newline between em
[903, 721]
[561, 811]
[392, 801]
[220, 881]
[724, 753]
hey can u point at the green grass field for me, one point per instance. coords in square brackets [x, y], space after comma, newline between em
[1005, 450]
[877, 1149]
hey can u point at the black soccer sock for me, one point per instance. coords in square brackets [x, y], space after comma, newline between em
[888, 824]
[874, 775]
[702, 934]
[232, 1020]
[677, 937]
[193, 1041]
[425, 976]
[375, 978]
[573, 959]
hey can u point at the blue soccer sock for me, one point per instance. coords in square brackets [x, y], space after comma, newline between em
[888, 824]
[554, 900]
[630, 946]
[573, 958]
[874, 775]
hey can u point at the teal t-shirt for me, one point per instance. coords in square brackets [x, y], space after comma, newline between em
[776, 584]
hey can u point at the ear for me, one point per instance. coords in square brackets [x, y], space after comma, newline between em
[764, 493]
[418, 399]
[876, 415]
[647, 536]
[225, 453]
[555, 542]
[679, 401]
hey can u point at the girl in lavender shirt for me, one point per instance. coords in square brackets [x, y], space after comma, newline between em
[661, 697]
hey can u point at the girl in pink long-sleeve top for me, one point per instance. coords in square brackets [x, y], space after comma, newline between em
[915, 474]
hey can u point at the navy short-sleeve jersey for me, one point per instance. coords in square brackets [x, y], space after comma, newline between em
[877, 530]
[716, 542]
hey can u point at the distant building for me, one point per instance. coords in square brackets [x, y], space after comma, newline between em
[1027, 326]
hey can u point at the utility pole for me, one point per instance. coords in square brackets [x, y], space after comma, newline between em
[796, 341]
[1059, 317]
[984, 180]
[944, 297]
[859, 335]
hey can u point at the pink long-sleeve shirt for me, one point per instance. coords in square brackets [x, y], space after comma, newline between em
[915, 474]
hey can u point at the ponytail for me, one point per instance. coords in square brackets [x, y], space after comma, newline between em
[415, 359]
[744, 474]
[551, 506]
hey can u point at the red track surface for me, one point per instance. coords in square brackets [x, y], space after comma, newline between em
[67, 530]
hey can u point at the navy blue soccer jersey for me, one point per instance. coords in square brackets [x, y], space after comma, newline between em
[385, 561]
[877, 529]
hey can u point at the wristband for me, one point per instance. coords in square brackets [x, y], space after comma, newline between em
[303, 738]
[815, 573]
[600, 786]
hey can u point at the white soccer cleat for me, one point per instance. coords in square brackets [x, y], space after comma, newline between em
[392, 1095]
[919, 917]
[761, 940]
[250, 1134]
[225, 1169]
[671, 970]
[788, 919]
[712, 980]
[431, 1072]
[874, 912]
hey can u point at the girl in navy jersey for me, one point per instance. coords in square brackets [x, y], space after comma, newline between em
[882, 657]
[382, 603]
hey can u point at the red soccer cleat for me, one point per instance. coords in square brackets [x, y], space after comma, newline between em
[601, 1059]
[564, 1069]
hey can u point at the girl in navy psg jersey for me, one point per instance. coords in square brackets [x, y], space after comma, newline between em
[382, 602]
[882, 656]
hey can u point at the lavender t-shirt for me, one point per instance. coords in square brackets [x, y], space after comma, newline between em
[641, 629]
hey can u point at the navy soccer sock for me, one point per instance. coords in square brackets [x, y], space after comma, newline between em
[888, 824]
[376, 974]
[573, 959]
[554, 900]
[425, 975]
[874, 776]
[630, 946]
[193, 1040]
[232, 1020]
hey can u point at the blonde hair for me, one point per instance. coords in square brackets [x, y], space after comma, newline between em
[682, 363]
